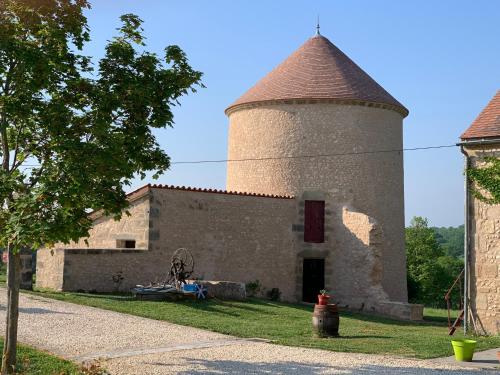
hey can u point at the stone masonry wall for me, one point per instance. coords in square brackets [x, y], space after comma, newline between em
[50, 269]
[109, 270]
[365, 256]
[91, 266]
[372, 183]
[106, 231]
[351, 250]
[232, 237]
[484, 224]
[235, 238]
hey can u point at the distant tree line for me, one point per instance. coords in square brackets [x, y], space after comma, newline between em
[434, 260]
[451, 240]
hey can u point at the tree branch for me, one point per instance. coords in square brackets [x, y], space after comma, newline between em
[5, 144]
[8, 79]
[16, 150]
[3, 122]
[17, 164]
[34, 178]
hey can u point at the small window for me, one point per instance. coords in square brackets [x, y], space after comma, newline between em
[127, 244]
[314, 221]
[130, 244]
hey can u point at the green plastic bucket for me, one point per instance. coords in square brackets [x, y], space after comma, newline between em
[464, 349]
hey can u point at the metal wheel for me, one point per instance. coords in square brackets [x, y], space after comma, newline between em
[181, 266]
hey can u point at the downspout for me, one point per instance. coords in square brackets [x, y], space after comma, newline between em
[466, 241]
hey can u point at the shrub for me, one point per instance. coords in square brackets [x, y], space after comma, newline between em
[253, 288]
[274, 294]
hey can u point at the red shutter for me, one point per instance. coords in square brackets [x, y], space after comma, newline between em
[314, 221]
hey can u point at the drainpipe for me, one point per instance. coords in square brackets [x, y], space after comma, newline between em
[466, 241]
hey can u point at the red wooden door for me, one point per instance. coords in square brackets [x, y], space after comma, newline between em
[314, 221]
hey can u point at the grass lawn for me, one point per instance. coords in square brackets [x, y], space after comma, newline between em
[3, 273]
[34, 362]
[290, 324]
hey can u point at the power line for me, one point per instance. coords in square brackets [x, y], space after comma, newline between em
[313, 156]
[298, 156]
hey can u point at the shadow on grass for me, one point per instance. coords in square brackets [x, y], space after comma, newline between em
[438, 319]
[249, 305]
[210, 308]
[367, 317]
[362, 337]
[363, 316]
[256, 305]
[111, 297]
[63, 296]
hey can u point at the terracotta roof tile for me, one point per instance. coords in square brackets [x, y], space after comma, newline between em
[201, 190]
[487, 124]
[318, 70]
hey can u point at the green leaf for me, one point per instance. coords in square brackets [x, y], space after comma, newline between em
[79, 133]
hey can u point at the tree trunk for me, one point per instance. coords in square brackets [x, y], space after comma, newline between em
[13, 283]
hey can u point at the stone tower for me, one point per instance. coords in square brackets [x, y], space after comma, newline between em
[319, 102]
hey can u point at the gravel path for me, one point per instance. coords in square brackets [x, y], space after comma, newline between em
[132, 345]
[261, 358]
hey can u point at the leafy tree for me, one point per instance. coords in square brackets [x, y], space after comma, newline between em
[448, 268]
[487, 179]
[73, 134]
[421, 245]
[430, 272]
[451, 240]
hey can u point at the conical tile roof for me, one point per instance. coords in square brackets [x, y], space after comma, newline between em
[487, 124]
[318, 70]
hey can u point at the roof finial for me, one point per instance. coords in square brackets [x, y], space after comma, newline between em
[317, 27]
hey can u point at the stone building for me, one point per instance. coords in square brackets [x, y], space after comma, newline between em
[309, 204]
[482, 223]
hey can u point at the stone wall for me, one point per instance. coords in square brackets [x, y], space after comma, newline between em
[50, 269]
[352, 253]
[90, 265]
[365, 238]
[26, 255]
[484, 245]
[372, 183]
[232, 237]
[109, 270]
[237, 238]
[106, 232]
[353, 267]
[26, 269]
[323, 250]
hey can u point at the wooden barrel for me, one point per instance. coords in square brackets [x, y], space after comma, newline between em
[325, 320]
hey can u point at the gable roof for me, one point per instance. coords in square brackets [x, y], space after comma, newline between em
[140, 192]
[319, 70]
[487, 124]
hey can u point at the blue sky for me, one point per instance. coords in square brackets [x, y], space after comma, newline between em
[441, 59]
